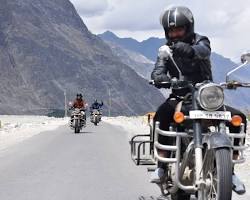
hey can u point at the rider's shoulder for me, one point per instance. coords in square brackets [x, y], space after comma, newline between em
[199, 38]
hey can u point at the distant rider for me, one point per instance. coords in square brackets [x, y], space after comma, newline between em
[96, 105]
[79, 103]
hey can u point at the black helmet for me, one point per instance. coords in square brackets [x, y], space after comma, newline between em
[178, 16]
[79, 95]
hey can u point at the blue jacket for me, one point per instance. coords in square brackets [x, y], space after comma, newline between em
[96, 105]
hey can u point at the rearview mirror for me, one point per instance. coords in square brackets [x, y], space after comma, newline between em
[245, 57]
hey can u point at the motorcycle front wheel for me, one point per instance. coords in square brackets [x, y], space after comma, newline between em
[95, 121]
[218, 171]
[77, 126]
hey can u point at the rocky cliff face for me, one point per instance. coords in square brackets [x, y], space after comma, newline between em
[45, 48]
[138, 62]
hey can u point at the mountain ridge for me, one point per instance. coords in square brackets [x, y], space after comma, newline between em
[220, 65]
[46, 49]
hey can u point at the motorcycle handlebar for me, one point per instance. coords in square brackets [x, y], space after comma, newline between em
[173, 83]
[235, 85]
[161, 84]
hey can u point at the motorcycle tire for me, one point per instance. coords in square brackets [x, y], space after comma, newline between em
[221, 175]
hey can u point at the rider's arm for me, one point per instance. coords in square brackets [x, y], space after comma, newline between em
[202, 49]
[160, 72]
[84, 104]
[74, 104]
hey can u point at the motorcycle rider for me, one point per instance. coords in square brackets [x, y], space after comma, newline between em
[96, 105]
[79, 103]
[191, 53]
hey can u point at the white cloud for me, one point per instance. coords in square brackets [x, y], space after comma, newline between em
[226, 22]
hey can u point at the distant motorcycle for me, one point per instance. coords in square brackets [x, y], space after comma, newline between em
[95, 116]
[78, 120]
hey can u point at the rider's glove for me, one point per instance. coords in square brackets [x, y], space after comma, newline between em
[159, 79]
[183, 49]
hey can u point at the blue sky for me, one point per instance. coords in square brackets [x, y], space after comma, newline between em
[226, 23]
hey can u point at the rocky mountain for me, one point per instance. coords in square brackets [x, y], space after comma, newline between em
[138, 62]
[220, 64]
[146, 47]
[46, 49]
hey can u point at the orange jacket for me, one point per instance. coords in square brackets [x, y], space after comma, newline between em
[79, 104]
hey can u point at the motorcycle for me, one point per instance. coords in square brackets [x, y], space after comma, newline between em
[201, 160]
[78, 120]
[95, 116]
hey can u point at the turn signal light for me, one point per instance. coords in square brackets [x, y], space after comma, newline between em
[179, 117]
[236, 120]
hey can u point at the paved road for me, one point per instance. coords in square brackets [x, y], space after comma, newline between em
[60, 165]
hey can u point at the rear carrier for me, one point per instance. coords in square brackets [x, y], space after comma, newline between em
[142, 146]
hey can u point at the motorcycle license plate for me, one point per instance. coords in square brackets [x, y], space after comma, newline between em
[200, 114]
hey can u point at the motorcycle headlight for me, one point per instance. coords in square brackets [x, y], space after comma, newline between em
[210, 96]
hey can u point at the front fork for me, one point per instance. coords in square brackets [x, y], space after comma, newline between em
[199, 181]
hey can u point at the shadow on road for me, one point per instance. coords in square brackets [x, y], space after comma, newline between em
[84, 132]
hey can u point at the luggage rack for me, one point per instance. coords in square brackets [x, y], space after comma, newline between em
[142, 148]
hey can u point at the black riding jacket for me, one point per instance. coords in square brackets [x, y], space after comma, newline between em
[196, 70]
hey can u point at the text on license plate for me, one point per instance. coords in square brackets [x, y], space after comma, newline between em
[200, 114]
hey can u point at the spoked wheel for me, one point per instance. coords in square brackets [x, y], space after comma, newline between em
[218, 171]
